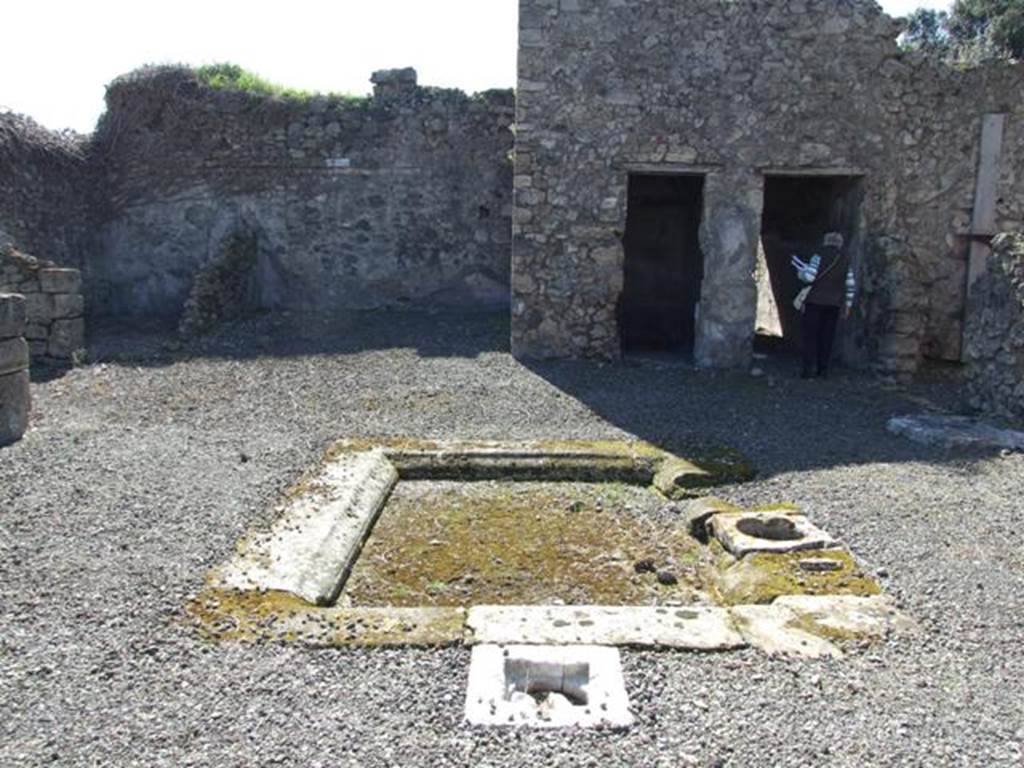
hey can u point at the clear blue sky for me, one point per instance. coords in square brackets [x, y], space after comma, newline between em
[58, 55]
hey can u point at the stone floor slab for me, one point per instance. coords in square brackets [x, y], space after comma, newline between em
[688, 627]
[847, 616]
[954, 432]
[771, 628]
[279, 617]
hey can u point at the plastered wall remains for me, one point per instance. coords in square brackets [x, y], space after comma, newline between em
[404, 198]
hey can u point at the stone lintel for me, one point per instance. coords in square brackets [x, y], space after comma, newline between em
[839, 170]
[672, 169]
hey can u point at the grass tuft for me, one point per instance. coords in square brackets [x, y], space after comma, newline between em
[231, 77]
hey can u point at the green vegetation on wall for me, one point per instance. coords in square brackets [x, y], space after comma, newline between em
[232, 77]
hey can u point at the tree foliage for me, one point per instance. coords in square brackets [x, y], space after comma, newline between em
[997, 24]
[927, 29]
[973, 30]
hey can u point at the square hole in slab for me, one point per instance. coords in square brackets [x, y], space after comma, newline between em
[548, 683]
[449, 543]
[546, 687]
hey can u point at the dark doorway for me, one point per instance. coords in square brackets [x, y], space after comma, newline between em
[798, 211]
[664, 265]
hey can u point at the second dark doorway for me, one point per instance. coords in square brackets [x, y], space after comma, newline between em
[664, 265]
[798, 211]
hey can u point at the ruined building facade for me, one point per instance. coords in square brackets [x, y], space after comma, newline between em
[660, 163]
[401, 199]
[664, 148]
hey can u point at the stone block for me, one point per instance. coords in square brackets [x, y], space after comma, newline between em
[955, 432]
[12, 315]
[65, 337]
[699, 512]
[37, 308]
[37, 348]
[677, 478]
[65, 305]
[847, 616]
[405, 76]
[745, 532]
[56, 280]
[895, 345]
[15, 405]
[36, 332]
[13, 356]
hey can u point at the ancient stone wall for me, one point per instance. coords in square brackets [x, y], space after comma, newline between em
[995, 332]
[739, 92]
[44, 190]
[53, 303]
[403, 198]
[15, 397]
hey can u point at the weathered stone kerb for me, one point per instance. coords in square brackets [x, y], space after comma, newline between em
[15, 398]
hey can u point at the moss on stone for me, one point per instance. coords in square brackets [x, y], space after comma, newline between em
[762, 577]
[460, 544]
[780, 508]
[726, 464]
[836, 634]
[228, 615]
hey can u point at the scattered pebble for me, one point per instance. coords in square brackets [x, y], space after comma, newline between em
[127, 489]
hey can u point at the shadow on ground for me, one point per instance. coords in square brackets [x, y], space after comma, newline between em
[292, 334]
[782, 423]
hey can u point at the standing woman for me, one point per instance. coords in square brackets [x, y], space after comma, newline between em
[831, 286]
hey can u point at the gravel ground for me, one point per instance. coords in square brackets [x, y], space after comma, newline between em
[143, 468]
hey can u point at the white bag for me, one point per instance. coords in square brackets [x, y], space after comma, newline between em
[801, 298]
